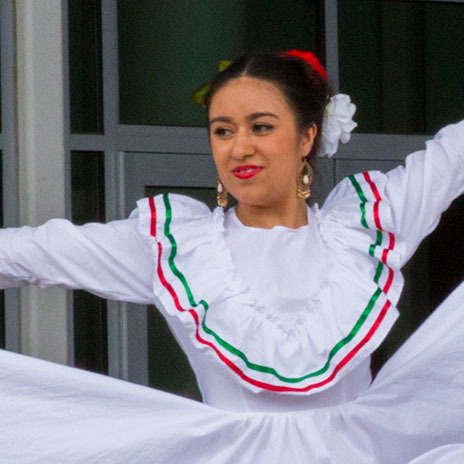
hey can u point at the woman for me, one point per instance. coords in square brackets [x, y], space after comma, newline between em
[278, 306]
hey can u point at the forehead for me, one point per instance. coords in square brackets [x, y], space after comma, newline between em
[246, 95]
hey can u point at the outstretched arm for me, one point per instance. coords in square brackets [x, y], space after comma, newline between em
[405, 203]
[110, 260]
[426, 186]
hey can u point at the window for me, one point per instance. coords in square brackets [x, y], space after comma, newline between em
[400, 64]
[85, 66]
[90, 317]
[168, 49]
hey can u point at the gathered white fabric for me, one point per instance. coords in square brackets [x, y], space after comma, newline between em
[337, 124]
[52, 414]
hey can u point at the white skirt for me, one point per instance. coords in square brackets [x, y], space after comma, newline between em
[413, 412]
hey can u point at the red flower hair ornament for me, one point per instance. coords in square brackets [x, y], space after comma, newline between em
[311, 59]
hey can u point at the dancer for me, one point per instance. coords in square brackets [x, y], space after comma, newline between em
[277, 305]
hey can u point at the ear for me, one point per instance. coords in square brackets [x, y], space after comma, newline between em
[307, 140]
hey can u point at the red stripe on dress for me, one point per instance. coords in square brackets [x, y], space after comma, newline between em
[372, 185]
[389, 281]
[151, 202]
[377, 216]
[391, 243]
[378, 198]
[227, 361]
[384, 259]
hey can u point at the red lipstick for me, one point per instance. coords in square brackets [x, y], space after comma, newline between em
[246, 172]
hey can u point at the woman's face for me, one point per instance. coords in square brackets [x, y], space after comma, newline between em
[255, 143]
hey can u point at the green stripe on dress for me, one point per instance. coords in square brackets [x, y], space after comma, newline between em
[378, 242]
[231, 348]
[363, 199]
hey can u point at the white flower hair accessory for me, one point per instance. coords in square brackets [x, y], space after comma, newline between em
[337, 124]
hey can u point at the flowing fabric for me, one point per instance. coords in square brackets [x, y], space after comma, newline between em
[55, 414]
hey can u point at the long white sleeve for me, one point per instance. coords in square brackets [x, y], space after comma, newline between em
[426, 186]
[110, 260]
[408, 200]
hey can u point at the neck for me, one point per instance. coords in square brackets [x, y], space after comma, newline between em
[263, 217]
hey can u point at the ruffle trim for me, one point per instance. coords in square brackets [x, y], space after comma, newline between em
[195, 281]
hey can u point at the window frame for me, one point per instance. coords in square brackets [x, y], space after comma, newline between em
[8, 146]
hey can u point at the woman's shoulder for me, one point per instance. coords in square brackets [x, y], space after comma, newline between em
[356, 188]
[171, 218]
[359, 203]
[183, 204]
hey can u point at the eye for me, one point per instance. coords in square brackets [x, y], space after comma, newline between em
[222, 131]
[262, 128]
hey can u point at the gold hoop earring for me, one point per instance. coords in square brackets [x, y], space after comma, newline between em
[222, 196]
[304, 179]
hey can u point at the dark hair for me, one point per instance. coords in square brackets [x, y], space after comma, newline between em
[306, 91]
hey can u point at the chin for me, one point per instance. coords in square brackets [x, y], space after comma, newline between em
[256, 200]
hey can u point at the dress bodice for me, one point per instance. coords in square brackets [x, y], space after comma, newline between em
[284, 269]
[280, 313]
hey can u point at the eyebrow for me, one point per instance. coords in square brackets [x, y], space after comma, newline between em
[260, 115]
[250, 117]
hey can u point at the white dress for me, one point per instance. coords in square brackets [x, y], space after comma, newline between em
[278, 325]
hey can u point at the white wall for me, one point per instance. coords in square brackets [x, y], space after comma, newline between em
[41, 143]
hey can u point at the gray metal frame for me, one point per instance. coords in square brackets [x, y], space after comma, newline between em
[131, 154]
[67, 154]
[331, 43]
[8, 145]
[118, 357]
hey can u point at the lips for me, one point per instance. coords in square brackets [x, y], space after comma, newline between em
[246, 172]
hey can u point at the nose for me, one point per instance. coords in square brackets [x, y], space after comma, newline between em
[243, 145]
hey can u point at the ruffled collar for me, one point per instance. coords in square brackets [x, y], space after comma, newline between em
[231, 215]
[197, 284]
